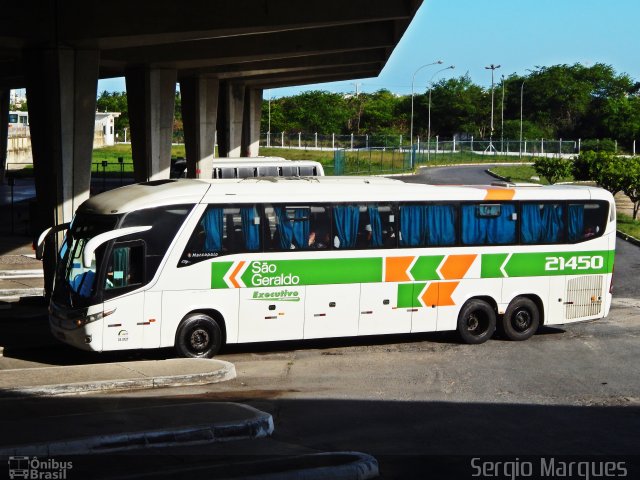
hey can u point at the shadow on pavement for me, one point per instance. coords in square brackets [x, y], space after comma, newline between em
[416, 439]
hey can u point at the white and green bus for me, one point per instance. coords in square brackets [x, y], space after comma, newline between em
[195, 264]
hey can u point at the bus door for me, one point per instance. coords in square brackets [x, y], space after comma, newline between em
[385, 308]
[271, 313]
[124, 305]
[331, 310]
[557, 299]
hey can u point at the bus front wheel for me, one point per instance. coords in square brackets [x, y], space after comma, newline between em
[521, 320]
[199, 336]
[476, 322]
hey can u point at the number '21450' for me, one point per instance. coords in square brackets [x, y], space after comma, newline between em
[582, 262]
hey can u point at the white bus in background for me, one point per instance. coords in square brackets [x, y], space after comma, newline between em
[195, 264]
[248, 167]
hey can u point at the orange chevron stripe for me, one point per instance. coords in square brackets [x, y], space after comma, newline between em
[500, 194]
[445, 292]
[430, 296]
[456, 266]
[232, 277]
[396, 269]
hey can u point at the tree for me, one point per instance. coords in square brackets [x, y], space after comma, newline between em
[631, 182]
[457, 106]
[553, 169]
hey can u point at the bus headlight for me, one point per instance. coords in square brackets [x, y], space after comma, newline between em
[92, 318]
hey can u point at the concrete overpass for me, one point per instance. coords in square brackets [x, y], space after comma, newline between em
[223, 54]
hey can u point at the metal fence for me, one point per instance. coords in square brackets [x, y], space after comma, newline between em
[314, 141]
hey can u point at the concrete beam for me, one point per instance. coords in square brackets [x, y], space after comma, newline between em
[4, 130]
[230, 114]
[291, 64]
[83, 21]
[288, 44]
[151, 101]
[199, 117]
[251, 122]
[61, 89]
[317, 76]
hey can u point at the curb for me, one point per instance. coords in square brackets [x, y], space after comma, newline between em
[313, 466]
[259, 426]
[628, 238]
[21, 292]
[363, 467]
[227, 372]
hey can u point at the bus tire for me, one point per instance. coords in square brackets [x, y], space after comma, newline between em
[199, 336]
[521, 320]
[476, 322]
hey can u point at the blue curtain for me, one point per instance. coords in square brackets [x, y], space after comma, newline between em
[553, 223]
[478, 230]
[531, 225]
[346, 220]
[250, 230]
[212, 224]
[301, 228]
[441, 225]
[413, 222]
[376, 227]
[285, 230]
[502, 229]
[576, 222]
[474, 228]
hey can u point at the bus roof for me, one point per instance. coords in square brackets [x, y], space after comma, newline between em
[319, 189]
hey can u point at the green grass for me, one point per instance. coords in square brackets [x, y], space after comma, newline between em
[628, 225]
[522, 173]
[111, 155]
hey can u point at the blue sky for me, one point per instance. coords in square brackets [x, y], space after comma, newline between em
[517, 34]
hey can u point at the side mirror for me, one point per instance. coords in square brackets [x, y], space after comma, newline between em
[93, 244]
[43, 237]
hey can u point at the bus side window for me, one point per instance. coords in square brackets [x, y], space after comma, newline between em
[542, 223]
[126, 267]
[494, 224]
[586, 220]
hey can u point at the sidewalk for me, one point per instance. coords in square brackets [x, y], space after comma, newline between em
[113, 376]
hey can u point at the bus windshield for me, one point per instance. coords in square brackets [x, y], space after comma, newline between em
[74, 283]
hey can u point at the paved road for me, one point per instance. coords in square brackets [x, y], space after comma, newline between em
[463, 175]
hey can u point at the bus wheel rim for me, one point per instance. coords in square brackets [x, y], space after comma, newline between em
[522, 320]
[199, 339]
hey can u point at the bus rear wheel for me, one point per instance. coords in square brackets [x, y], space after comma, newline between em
[476, 322]
[199, 336]
[521, 320]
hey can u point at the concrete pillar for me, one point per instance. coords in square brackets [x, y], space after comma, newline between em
[251, 122]
[61, 90]
[199, 116]
[4, 130]
[151, 96]
[230, 113]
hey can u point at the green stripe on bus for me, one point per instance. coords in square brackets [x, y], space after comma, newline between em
[425, 268]
[408, 294]
[218, 271]
[547, 264]
[270, 273]
[491, 263]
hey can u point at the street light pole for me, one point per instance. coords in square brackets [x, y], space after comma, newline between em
[490, 148]
[521, 103]
[502, 119]
[438, 62]
[450, 67]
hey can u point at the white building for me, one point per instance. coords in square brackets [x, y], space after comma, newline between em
[105, 127]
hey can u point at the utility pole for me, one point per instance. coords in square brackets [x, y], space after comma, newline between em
[491, 148]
